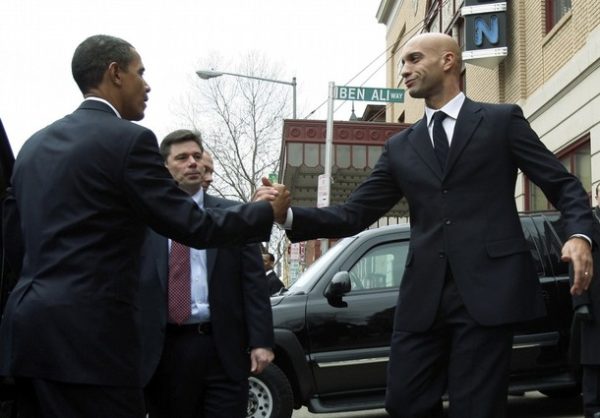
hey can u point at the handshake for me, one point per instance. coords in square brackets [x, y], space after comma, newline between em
[279, 197]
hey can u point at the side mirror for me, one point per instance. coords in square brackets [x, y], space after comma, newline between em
[339, 286]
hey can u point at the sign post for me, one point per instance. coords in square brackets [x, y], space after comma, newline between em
[367, 94]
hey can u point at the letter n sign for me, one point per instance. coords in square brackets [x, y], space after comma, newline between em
[485, 32]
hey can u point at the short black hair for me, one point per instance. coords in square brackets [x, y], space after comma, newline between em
[93, 56]
[178, 136]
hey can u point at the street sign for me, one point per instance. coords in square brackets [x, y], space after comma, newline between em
[368, 94]
[323, 190]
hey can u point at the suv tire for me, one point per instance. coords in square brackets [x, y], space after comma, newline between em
[270, 394]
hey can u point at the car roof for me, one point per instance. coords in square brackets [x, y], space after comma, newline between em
[387, 229]
[405, 227]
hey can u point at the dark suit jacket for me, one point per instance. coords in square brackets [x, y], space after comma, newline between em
[464, 217]
[275, 285]
[240, 308]
[86, 187]
[590, 330]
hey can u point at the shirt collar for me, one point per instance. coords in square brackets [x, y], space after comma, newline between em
[199, 197]
[452, 108]
[106, 102]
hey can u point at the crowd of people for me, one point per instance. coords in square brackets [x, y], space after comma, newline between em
[142, 293]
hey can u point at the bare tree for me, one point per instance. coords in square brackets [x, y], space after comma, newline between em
[241, 121]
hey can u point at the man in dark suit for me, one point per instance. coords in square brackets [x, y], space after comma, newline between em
[206, 361]
[469, 275]
[589, 327]
[275, 285]
[86, 188]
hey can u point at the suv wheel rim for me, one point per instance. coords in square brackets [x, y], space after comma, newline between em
[260, 400]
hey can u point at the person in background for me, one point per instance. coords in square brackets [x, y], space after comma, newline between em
[208, 335]
[589, 328]
[469, 274]
[275, 284]
[86, 188]
[209, 170]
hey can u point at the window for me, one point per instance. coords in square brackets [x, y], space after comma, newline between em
[555, 10]
[379, 268]
[576, 160]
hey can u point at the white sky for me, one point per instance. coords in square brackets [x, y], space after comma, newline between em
[316, 41]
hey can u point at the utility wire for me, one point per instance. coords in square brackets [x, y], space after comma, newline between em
[419, 27]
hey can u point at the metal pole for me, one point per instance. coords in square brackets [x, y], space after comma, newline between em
[328, 153]
[207, 74]
[329, 132]
[294, 97]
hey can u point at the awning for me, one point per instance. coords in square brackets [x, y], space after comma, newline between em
[356, 147]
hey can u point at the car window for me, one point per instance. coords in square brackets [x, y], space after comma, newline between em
[380, 267]
[552, 233]
[311, 275]
[555, 236]
[533, 243]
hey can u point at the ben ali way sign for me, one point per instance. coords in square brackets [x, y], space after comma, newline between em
[368, 94]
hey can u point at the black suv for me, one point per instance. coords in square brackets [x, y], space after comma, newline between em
[333, 326]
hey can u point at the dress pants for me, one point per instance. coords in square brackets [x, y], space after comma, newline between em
[469, 361]
[39, 398]
[591, 390]
[190, 381]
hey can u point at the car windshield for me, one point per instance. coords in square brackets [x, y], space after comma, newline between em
[316, 269]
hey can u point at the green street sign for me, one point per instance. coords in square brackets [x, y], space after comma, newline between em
[368, 94]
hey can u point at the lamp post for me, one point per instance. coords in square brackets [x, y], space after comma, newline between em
[207, 74]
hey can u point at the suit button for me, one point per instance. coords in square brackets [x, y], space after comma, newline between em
[445, 191]
[448, 222]
[442, 254]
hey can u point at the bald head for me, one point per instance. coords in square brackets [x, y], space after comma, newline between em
[431, 68]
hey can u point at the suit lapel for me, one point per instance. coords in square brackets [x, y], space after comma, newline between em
[211, 253]
[420, 140]
[468, 119]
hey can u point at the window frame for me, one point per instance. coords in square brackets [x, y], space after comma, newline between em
[551, 6]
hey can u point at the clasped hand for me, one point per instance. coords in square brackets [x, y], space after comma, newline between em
[276, 194]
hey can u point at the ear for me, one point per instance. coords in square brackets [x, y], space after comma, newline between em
[448, 60]
[114, 73]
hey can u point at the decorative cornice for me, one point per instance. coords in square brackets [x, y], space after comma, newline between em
[344, 132]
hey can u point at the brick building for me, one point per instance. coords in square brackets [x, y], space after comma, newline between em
[551, 69]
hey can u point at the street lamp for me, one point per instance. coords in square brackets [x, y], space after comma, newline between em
[207, 74]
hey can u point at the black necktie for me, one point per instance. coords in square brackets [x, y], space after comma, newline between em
[440, 140]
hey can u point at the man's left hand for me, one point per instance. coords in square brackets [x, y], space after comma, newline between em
[259, 359]
[579, 252]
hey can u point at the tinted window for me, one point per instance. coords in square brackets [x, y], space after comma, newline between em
[534, 244]
[380, 267]
[552, 233]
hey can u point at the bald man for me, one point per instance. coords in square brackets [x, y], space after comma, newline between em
[469, 274]
[209, 169]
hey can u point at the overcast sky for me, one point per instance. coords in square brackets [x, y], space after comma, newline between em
[316, 41]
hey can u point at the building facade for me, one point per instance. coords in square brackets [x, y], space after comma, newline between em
[551, 69]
